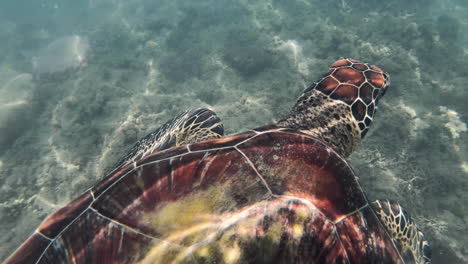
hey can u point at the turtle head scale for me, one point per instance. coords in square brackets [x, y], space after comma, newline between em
[340, 106]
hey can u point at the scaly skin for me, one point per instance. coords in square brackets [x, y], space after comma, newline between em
[340, 106]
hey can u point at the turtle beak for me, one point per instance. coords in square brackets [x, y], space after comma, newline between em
[386, 84]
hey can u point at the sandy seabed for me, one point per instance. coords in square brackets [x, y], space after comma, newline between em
[247, 61]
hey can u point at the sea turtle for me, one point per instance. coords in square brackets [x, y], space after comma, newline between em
[281, 193]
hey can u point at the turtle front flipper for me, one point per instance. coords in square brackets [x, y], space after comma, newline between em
[189, 127]
[404, 232]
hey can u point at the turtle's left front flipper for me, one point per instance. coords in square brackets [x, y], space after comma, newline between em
[189, 127]
[404, 232]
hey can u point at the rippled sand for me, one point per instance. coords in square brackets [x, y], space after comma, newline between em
[247, 61]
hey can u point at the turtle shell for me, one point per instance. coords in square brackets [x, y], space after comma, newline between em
[264, 196]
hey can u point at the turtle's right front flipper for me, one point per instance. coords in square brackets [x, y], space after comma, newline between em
[404, 232]
[189, 127]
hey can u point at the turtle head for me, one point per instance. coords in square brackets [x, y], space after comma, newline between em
[357, 85]
[340, 106]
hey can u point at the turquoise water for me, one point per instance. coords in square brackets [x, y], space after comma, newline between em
[248, 61]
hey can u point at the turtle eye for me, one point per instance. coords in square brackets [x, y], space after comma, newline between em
[386, 84]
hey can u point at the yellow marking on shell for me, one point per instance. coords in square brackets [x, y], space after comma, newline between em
[218, 235]
[140, 183]
[275, 231]
[232, 254]
[298, 231]
[161, 254]
[298, 227]
[190, 211]
[203, 252]
[302, 214]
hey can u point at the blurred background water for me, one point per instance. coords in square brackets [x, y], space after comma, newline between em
[65, 119]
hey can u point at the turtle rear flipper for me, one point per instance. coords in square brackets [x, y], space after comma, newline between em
[404, 232]
[189, 127]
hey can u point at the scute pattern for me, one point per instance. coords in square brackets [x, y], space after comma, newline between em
[277, 190]
[282, 193]
[340, 106]
[361, 243]
[327, 85]
[404, 231]
[31, 250]
[284, 230]
[104, 242]
[54, 224]
[322, 177]
[359, 85]
[346, 93]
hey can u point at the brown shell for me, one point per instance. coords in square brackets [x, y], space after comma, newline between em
[292, 177]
